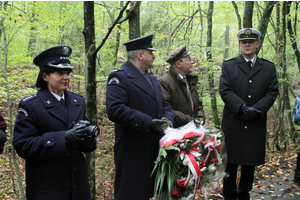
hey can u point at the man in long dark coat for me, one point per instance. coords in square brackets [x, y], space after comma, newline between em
[179, 87]
[134, 101]
[248, 87]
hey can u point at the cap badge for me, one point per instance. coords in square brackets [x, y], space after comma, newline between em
[248, 31]
[65, 51]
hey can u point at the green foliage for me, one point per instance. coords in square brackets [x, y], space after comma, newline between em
[33, 26]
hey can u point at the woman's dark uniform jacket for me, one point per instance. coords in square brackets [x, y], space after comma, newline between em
[245, 141]
[54, 170]
[132, 103]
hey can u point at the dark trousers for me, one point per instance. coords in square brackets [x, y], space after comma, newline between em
[298, 161]
[230, 190]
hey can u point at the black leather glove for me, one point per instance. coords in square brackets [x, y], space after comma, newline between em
[77, 133]
[155, 125]
[248, 113]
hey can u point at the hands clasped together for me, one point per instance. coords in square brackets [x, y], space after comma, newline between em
[248, 113]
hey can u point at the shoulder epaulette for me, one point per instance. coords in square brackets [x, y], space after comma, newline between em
[116, 70]
[229, 59]
[267, 60]
[28, 98]
[75, 94]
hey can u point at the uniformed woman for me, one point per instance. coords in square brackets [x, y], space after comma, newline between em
[51, 132]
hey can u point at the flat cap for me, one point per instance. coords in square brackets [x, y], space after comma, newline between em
[57, 57]
[178, 53]
[248, 34]
[140, 43]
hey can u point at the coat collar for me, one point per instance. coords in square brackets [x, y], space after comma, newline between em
[55, 108]
[192, 79]
[137, 78]
[258, 65]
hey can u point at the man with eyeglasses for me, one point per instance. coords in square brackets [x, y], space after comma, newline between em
[179, 87]
[248, 87]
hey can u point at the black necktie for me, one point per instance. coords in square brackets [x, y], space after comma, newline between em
[62, 101]
[250, 65]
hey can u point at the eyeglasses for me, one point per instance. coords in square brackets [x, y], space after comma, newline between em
[185, 60]
[247, 41]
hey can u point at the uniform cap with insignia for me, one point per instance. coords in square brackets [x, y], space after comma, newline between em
[140, 43]
[178, 53]
[56, 57]
[248, 34]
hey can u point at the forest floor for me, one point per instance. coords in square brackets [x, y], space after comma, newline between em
[273, 180]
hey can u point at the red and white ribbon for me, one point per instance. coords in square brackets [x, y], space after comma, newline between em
[213, 145]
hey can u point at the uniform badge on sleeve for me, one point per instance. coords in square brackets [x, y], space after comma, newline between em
[113, 80]
[23, 111]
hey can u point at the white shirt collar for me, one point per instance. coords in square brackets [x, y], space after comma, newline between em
[182, 77]
[252, 60]
[58, 97]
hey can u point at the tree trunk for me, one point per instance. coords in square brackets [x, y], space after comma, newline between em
[226, 54]
[237, 15]
[202, 29]
[248, 13]
[285, 84]
[118, 36]
[283, 99]
[210, 74]
[134, 20]
[33, 34]
[292, 35]
[91, 101]
[263, 25]
[11, 152]
[297, 54]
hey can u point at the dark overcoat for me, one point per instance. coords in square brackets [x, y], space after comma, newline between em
[175, 91]
[54, 169]
[245, 141]
[132, 103]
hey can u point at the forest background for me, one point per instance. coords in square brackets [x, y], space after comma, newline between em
[96, 31]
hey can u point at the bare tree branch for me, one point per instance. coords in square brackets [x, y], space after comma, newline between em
[111, 28]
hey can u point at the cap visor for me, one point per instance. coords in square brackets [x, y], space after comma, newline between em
[186, 54]
[151, 49]
[247, 38]
[60, 66]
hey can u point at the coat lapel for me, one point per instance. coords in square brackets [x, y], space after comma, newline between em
[258, 65]
[73, 106]
[53, 106]
[241, 63]
[138, 80]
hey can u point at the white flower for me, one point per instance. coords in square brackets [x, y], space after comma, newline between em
[212, 168]
[203, 169]
[190, 197]
[185, 162]
[182, 145]
[220, 162]
[191, 182]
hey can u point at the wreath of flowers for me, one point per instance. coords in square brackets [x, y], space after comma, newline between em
[190, 159]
